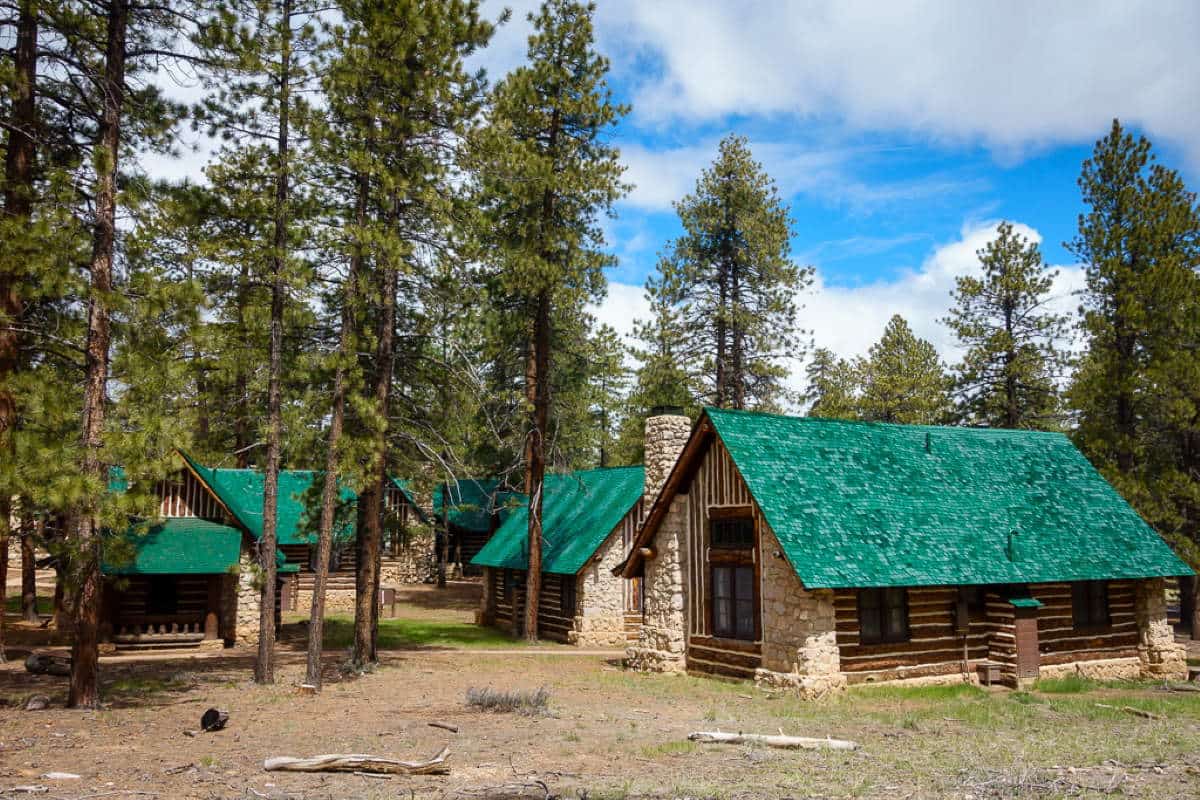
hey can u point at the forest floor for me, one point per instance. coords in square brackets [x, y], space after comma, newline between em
[607, 733]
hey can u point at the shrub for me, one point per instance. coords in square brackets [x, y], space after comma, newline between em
[519, 701]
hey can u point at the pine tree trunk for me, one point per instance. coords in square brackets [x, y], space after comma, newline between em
[85, 550]
[29, 611]
[738, 371]
[18, 198]
[329, 493]
[241, 384]
[5, 515]
[370, 534]
[264, 667]
[722, 382]
[537, 393]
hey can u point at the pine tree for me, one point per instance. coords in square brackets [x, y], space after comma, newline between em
[903, 379]
[1137, 388]
[732, 276]
[833, 386]
[548, 175]
[1008, 377]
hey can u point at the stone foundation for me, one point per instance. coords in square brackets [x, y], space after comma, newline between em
[807, 687]
[337, 601]
[1102, 669]
[1161, 657]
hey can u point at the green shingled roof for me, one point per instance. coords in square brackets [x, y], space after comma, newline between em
[175, 547]
[869, 504]
[580, 510]
[469, 502]
[241, 490]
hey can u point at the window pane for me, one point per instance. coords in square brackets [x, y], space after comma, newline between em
[732, 533]
[744, 583]
[869, 616]
[1079, 604]
[745, 619]
[722, 601]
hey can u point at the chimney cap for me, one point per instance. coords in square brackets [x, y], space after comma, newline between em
[667, 411]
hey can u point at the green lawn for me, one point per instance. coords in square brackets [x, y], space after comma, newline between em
[408, 634]
[45, 605]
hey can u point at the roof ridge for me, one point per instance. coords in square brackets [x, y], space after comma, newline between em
[807, 420]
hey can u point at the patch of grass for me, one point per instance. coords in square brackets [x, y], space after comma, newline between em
[45, 605]
[674, 748]
[208, 761]
[519, 701]
[954, 691]
[411, 634]
[1070, 684]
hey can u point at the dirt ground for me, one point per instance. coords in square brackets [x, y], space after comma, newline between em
[609, 733]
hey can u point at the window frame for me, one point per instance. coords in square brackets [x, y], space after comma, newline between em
[1091, 605]
[739, 574]
[886, 599]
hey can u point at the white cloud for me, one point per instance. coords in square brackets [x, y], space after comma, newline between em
[1013, 75]
[661, 176]
[848, 320]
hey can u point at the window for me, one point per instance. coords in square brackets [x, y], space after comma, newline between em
[734, 533]
[1089, 604]
[733, 602]
[882, 615]
[567, 595]
[162, 598]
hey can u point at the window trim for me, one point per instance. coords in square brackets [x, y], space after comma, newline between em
[885, 636]
[733, 568]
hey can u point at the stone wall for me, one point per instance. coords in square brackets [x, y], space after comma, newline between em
[337, 601]
[1160, 655]
[799, 642]
[415, 562]
[600, 598]
[245, 601]
[662, 643]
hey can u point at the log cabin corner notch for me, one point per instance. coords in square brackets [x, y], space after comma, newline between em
[874, 552]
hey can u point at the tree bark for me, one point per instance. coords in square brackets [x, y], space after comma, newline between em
[18, 199]
[537, 391]
[329, 493]
[264, 667]
[5, 515]
[370, 534]
[85, 553]
[29, 573]
[241, 384]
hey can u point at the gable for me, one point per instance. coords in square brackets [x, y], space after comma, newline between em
[870, 504]
[580, 511]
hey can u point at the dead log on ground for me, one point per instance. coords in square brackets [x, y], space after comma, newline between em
[446, 726]
[358, 762]
[1137, 712]
[773, 740]
[48, 664]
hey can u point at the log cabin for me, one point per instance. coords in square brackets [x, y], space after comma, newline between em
[185, 578]
[467, 512]
[589, 518]
[813, 554]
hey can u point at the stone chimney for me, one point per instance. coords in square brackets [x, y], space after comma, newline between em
[667, 431]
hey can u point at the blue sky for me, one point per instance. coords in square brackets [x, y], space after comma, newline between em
[899, 133]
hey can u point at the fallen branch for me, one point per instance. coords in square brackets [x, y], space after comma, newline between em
[446, 726]
[357, 762]
[1138, 712]
[792, 742]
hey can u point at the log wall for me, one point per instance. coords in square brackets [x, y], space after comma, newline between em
[554, 622]
[1060, 642]
[717, 485]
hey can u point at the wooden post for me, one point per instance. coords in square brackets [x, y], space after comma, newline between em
[212, 608]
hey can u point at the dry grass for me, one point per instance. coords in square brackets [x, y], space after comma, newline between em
[518, 701]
